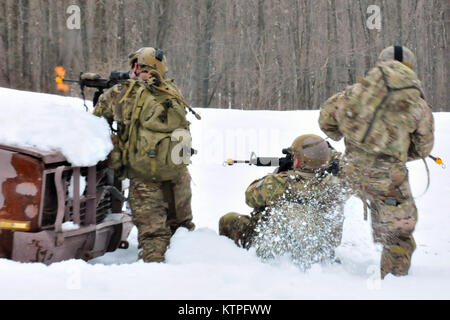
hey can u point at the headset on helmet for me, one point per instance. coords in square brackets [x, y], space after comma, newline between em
[148, 59]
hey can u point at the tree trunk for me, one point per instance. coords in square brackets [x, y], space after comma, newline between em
[84, 34]
[352, 64]
[16, 60]
[307, 42]
[45, 70]
[100, 35]
[5, 81]
[165, 7]
[27, 64]
[121, 30]
[207, 48]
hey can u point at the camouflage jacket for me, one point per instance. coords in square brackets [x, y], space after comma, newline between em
[110, 106]
[405, 124]
[108, 103]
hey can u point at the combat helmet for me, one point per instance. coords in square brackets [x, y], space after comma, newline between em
[312, 151]
[149, 59]
[399, 53]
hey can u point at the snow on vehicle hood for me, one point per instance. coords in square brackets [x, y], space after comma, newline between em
[53, 123]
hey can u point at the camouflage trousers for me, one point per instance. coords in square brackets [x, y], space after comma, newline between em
[158, 210]
[393, 212]
[237, 227]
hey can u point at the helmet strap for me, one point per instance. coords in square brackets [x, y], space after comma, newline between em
[135, 69]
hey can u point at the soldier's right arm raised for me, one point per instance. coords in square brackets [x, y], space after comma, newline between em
[105, 105]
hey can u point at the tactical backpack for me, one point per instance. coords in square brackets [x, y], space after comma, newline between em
[376, 113]
[154, 136]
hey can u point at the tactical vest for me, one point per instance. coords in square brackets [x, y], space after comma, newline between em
[154, 135]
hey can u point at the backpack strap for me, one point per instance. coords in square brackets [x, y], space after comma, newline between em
[177, 95]
[132, 133]
[383, 101]
[127, 93]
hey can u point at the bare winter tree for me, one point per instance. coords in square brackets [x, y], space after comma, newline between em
[255, 54]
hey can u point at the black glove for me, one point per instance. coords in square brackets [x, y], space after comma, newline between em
[286, 163]
[97, 95]
[333, 168]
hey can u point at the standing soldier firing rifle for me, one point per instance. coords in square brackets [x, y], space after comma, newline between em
[152, 149]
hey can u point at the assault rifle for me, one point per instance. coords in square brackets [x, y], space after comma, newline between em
[93, 80]
[284, 163]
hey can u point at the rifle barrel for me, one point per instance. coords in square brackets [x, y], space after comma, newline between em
[70, 80]
[257, 161]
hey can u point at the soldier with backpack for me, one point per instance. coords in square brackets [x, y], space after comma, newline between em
[385, 122]
[152, 149]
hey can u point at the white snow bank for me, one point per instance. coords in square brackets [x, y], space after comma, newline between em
[52, 122]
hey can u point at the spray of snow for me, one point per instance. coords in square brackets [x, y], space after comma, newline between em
[305, 226]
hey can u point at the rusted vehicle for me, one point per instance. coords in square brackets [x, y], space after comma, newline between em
[51, 211]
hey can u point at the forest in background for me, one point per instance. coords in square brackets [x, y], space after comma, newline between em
[252, 54]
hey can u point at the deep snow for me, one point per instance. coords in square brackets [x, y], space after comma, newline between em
[203, 265]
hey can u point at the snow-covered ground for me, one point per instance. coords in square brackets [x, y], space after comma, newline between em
[203, 265]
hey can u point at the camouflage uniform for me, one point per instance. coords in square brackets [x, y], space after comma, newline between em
[379, 174]
[158, 208]
[298, 198]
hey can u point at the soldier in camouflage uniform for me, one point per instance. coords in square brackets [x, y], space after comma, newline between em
[292, 207]
[385, 122]
[158, 207]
